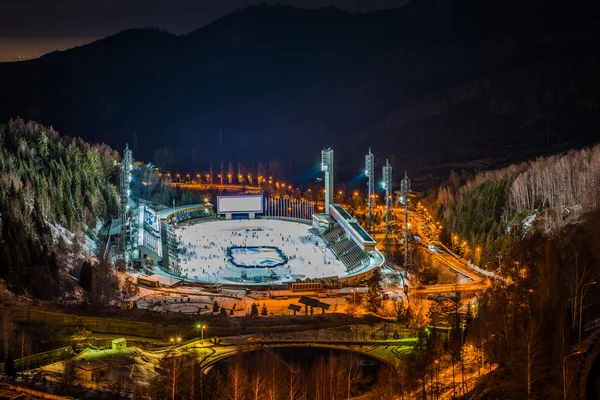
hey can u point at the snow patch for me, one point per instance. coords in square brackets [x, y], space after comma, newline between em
[528, 221]
[489, 274]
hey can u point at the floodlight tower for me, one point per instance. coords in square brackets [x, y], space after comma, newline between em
[386, 183]
[327, 168]
[126, 169]
[370, 173]
[404, 194]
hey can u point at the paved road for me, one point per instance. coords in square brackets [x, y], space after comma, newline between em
[476, 280]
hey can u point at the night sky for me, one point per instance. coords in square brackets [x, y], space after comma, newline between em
[30, 28]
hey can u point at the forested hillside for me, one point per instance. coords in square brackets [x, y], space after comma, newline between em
[490, 208]
[47, 180]
[536, 224]
[428, 85]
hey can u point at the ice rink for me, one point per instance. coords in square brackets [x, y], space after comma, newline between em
[256, 257]
[203, 251]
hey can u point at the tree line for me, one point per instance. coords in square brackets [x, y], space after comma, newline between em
[48, 183]
[487, 209]
[536, 224]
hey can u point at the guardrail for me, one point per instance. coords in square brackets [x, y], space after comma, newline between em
[41, 359]
[290, 219]
[473, 276]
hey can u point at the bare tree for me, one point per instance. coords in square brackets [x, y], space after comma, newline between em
[230, 173]
[256, 384]
[273, 379]
[531, 341]
[294, 388]
[579, 274]
[352, 372]
[171, 367]
[6, 331]
[68, 375]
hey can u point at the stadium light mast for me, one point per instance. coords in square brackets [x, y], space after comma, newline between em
[370, 174]
[404, 199]
[386, 183]
[327, 168]
[126, 169]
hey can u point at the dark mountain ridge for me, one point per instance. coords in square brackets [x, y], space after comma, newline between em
[434, 82]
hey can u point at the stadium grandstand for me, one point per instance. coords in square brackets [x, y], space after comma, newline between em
[183, 213]
[274, 242]
[156, 238]
[297, 251]
[351, 244]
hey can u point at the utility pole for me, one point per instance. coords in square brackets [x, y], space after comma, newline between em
[404, 195]
[370, 174]
[327, 168]
[581, 308]
[564, 373]
[386, 183]
[125, 181]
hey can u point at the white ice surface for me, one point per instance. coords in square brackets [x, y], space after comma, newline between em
[207, 242]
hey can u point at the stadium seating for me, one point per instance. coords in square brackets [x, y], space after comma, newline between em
[354, 259]
[344, 248]
[332, 234]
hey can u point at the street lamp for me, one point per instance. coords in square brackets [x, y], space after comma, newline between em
[437, 379]
[564, 370]
[200, 326]
[581, 308]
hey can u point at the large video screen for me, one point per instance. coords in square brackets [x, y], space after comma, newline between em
[239, 204]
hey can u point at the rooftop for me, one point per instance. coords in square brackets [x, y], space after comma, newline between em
[90, 365]
[323, 217]
[364, 236]
[161, 279]
[162, 214]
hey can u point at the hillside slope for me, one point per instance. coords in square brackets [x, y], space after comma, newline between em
[48, 181]
[431, 83]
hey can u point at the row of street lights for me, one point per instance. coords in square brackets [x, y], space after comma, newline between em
[200, 326]
[188, 178]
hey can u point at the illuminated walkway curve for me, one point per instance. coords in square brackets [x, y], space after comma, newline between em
[390, 352]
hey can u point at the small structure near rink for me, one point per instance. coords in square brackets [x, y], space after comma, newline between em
[295, 308]
[156, 280]
[312, 303]
[311, 286]
[91, 370]
[119, 344]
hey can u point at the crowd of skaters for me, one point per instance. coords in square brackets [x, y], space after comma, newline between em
[203, 251]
